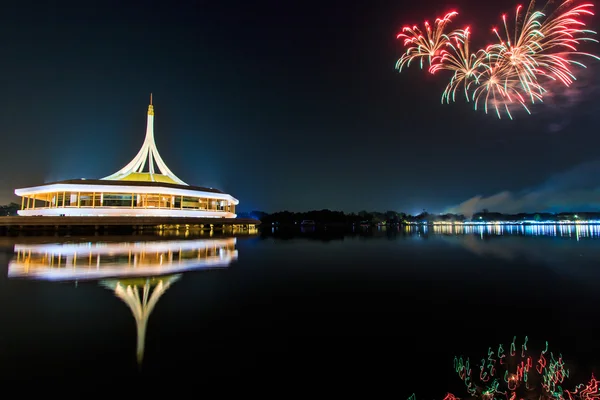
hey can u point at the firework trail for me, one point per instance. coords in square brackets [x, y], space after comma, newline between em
[535, 50]
[424, 45]
[458, 58]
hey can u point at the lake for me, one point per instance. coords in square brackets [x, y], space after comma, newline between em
[384, 307]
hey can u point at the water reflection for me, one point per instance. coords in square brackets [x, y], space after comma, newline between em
[571, 252]
[79, 261]
[568, 231]
[140, 295]
[359, 292]
[138, 273]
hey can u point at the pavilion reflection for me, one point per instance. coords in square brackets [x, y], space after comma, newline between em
[138, 273]
[100, 260]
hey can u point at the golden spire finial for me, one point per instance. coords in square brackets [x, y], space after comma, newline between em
[150, 107]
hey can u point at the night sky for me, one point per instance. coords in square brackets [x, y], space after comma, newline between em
[284, 104]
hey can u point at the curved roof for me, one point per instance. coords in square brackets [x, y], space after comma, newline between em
[134, 183]
[147, 157]
[147, 177]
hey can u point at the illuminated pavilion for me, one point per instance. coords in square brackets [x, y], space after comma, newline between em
[129, 192]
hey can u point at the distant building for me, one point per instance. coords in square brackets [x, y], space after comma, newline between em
[129, 192]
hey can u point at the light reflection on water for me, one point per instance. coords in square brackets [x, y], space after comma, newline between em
[570, 251]
[338, 287]
[137, 272]
[568, 231]
[97, 260]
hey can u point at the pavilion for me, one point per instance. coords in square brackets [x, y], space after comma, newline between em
[131, 191]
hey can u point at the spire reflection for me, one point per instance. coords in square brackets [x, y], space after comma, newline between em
[141, 296]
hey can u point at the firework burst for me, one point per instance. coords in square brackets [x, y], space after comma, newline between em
[458, 58]
[424, 45]
[538, 48]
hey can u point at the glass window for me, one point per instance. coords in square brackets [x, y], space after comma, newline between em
[59, 199]
[177, 203]
[190, 202]
[85, 200]
[152, 201]
[116, 200]
[71, 200]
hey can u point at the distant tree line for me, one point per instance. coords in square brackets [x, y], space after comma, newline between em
[486, 215]
[9, 210]
[392, 217]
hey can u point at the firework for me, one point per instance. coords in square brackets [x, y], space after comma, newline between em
[539, 49]
[458, 58]
[543, 46]
[424, 45]
[503, 85]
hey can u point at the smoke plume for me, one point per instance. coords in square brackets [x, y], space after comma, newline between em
[577, 189]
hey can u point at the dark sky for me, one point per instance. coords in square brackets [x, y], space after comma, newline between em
[284, 104]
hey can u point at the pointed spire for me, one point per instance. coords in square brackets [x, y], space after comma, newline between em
[148, 154]
[150, 107]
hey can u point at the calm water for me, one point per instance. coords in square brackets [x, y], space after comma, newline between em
[381, 307]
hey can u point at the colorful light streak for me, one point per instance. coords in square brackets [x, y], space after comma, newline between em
[424, 45]
[541, 48]
[517, 222]
[516, 376]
